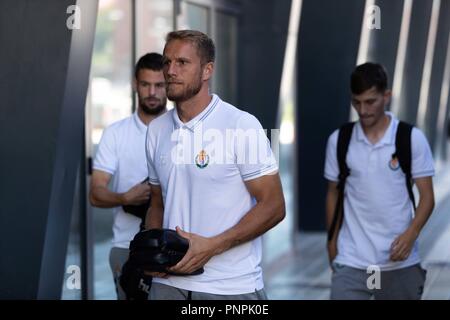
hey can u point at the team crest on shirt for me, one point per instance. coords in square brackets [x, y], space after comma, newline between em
[394, 164]
[202, 159]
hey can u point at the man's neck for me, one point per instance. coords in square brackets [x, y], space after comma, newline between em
[376, 132]
[146, 118]
[189, 109]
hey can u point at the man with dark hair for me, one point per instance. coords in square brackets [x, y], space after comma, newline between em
[210, 191]
[369, 207]
[121, 157]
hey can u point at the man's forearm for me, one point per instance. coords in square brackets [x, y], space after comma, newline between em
[423, 212]
[102, 197]
[330, 206]
[261, 218]
[154, 218]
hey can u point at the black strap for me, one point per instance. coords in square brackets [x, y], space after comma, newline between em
[403, 155]
[345, 134]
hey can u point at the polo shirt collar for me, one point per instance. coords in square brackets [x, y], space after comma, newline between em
[199, 118]
[389, 135]
[139, 124]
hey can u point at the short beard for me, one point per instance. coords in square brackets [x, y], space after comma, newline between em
[190, 92]
[153, 111]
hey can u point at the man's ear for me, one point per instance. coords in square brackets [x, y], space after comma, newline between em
[387, 97]
[134, 84]
[208, 71]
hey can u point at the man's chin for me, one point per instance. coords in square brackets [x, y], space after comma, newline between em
[153, 110]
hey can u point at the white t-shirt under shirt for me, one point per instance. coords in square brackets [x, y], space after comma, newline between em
[377, 208]
[201, 167]
[121, 153]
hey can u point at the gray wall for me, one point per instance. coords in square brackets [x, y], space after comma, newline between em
[437, 74]
[327, 51]
[414, 60]
[383, 44]
[262, 41]
[43, 83]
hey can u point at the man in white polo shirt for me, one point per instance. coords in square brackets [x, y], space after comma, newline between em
[121, 157]
[213, 178]
[379, 230]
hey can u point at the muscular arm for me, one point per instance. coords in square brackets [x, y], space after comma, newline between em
[331, 199]
[425, 206]
[332, 195]
[268, 211]
[401, 247]
[155, 213]
[101, 196]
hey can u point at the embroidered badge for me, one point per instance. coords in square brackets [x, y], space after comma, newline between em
[202, 159]
[393, 163]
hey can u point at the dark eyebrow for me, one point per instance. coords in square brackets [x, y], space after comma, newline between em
[183, 59]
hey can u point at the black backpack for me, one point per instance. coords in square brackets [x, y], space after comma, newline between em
[402, 153]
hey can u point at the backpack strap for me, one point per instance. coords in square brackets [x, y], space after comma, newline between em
[345, 134]
[403, 155]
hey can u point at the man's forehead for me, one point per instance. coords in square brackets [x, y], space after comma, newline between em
[178, 48]
[145, 74]
[368, 94]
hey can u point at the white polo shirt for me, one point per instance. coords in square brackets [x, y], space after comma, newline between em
[202, 183]
[121, 153]
[377, 208]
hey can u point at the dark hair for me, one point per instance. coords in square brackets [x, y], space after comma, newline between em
[202, 42]
[368, 75]
[152, 61]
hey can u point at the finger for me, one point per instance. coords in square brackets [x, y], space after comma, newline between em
[399, 251]
[394, 254]
[183, 233]
[394, 243]
[155, 274]
[182, 262]
[188, 267]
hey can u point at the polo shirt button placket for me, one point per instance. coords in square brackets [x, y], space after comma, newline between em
[372, 160]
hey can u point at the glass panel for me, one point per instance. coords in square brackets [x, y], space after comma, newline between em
[111, 75]
[225, 82]
[154, 19]
[194, 17]
[71, 289]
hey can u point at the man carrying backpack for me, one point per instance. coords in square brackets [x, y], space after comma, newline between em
[372, 219]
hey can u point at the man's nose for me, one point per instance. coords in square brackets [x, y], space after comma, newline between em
[152, 90]
[171, 69]
[364, 108]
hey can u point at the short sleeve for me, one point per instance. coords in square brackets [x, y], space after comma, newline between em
[331, 171]
[106, 158]
[253, 154]
[150, 144]
[422, 164]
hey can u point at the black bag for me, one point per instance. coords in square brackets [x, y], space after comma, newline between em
[134, 282]
[158, 249]
[402, 154]
[139, 211]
